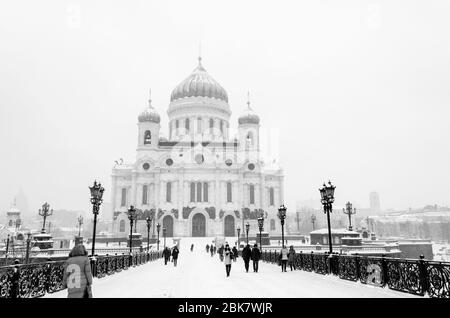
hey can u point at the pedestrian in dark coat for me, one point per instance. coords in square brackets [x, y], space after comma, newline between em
[77, 273]
[166, 254]
[291, 258]
[207, 248]
[221, 250]
[215, 249]
[175, 253]
[235, 253]
[246, 255]
[256, 255]
[212, 251]
[192, 247]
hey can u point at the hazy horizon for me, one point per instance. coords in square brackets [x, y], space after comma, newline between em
[356, 91]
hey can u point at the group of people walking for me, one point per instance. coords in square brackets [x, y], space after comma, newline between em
[167, 253]
[211, 249]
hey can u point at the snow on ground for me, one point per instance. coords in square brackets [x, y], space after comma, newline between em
[198, 275]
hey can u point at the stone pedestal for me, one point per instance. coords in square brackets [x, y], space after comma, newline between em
[265, 238]
[43, 240]
[78, 240]
[136, 240]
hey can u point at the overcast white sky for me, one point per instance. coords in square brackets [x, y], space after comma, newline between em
[358, 90]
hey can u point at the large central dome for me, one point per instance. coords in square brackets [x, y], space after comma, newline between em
[199, 83]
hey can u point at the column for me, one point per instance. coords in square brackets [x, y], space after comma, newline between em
[133, 188]
[113, 195]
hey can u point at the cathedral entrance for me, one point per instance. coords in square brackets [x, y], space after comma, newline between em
[229, 226]
[199, 225]
[168, 224]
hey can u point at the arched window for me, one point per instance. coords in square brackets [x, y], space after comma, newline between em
[272, 224]
[252, 194]
[205, 192]
[122, 226]
[144, 194]
[177, 125]
[199, 192]
[229, 193]
[221, 126]
[10, 223]
[192, 192]
[211, 123]
[272, 196]
[147, 137]
[168, 192]
[187, 125]
[249, 141]
[123, 201]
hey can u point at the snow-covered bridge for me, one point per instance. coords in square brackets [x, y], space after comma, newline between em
[198, 275]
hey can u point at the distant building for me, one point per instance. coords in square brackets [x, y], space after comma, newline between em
[374, 199]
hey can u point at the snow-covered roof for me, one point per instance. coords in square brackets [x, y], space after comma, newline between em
[333, 231]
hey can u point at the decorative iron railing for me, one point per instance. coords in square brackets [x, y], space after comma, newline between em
[414, 276]
[37, 279]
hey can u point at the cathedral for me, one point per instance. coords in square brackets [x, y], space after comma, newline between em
[202, 180]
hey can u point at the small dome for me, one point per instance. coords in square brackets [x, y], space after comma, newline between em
[248, 116]
[149, 114]
[199, 83]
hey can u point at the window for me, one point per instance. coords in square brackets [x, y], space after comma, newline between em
[144, 194]
[147, 137]
[271, 196]
[221, 126]
[124, 197]
[205, 192]
[229, 194]
[199, 125]
[122, 226]
[192, 192]
[177, 124]
[168, 192]
[272, 225]
[199, 192]
[187, 124]
[211, 123]
[252, 194]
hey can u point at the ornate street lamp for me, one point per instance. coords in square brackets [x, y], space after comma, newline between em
[164, 234]
[327, 199]
[96, 199]
[149, 224]
[45, 212]
[238, 234]
[247, 228]
[282, 217]
[349, 211]
[27, 255]
[7, 247]
[261, 227]
[131, 217]
[158, 227]
[80, 222]
[313, 220]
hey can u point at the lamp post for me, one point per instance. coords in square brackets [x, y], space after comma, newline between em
[27, 255]
[80, 222]
[313, 221]
[327, 199]
[7, 247]
[131, 217]
[261, 227]
[238, 234]
[164, 234]
[282, 217]
[158, 227]
[349, 210]
[149, 224]
[45, 212]
[247, 228]
[96, 199]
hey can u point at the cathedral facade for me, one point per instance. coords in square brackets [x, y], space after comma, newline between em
[202, 180]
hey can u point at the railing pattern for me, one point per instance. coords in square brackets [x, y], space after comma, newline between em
[418, 277]
[37, 279]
